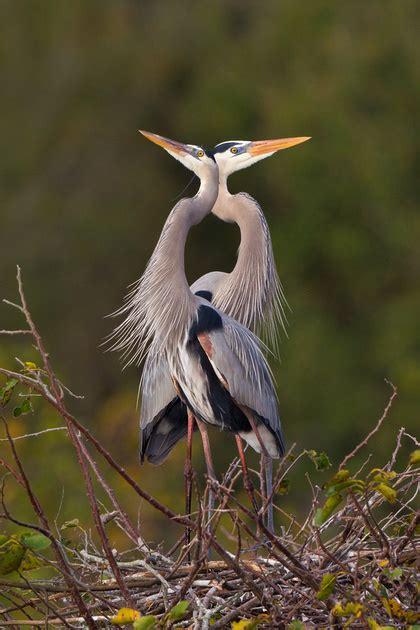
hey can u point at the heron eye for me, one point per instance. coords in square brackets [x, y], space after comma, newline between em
[200, 153]
[234, 150]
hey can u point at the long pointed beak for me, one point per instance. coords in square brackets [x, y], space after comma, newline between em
[262, 147]
[166, 143]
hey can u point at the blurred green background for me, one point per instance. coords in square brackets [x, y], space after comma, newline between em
[84, 197]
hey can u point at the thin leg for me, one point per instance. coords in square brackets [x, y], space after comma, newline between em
[247, 481]
[269, 487]
[188, 472]
[209, 464]
[263, 485]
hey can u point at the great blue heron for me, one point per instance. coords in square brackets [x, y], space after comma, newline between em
[215, 364]
[251, 294]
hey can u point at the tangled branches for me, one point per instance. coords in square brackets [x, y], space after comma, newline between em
[351, 563]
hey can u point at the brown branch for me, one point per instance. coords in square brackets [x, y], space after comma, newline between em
[61, 558]
[15, 332]
[132, 531]
[100, 527]
[375, 429]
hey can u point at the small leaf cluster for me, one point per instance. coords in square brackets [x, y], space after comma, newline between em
[16, 552]
[321, 460]
[6, 393]
[145, 622]
[7, 390]
[339, 486]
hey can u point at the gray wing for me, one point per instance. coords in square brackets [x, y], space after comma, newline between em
[236, 356]
[163, 417]
[156, 387]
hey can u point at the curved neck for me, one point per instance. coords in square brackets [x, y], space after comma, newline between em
[161, 304]
[251, 293]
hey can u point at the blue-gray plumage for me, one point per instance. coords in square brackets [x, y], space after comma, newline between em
[251, 294]
[200, 359]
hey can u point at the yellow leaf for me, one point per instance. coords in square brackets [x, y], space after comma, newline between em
[327, 586]
[374, 625]
[349, 610]
[247, 624]
[125, 616]
[11, 555]
[414, 457]
[383, 563]
[392, 607]
[387, 492]
[29, 365]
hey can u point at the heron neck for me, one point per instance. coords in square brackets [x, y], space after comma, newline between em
[245, 293]
[161, 305]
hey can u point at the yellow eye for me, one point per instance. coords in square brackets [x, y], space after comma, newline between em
[200, 153]
[234, 150]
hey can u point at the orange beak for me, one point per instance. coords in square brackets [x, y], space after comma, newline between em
[261, 147]
[166, 143]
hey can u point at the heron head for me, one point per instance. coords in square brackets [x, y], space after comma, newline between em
[235, 155]
[194, 157]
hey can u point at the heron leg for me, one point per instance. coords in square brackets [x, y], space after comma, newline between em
[188, 473]
[209, 463]
[268, 466]
[247, 481]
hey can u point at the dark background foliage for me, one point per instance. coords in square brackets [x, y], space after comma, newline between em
[83, 199]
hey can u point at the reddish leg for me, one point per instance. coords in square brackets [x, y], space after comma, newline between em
[188, 472]
[247, 481]
[209, 463]
[266, 471]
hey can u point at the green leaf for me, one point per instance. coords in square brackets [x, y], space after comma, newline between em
[148, 621]
[7, 390]
[284, 487]
[341, 475]
[380, 475]
[393, 574]
[350, 483]
[321, 460]
[25, 407]
[414, 457]
[68, 524]
[30, 562]
[30, 365]
[327, 586]
[178, 611]
[35, 541]
[387, 492]
[296, 625]
[322, 514]
[11, 556]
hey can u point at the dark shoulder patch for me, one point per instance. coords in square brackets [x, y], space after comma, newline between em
[207, 320]
[207, 295]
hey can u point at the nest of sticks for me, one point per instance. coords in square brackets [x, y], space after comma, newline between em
[351, 563]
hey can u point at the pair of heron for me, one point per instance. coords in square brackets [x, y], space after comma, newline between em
[204, 364]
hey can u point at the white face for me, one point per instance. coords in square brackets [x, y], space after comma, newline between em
[194, 158]
[190, 155]
[233, 155]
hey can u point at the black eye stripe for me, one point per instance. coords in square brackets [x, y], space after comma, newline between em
[223, 147]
